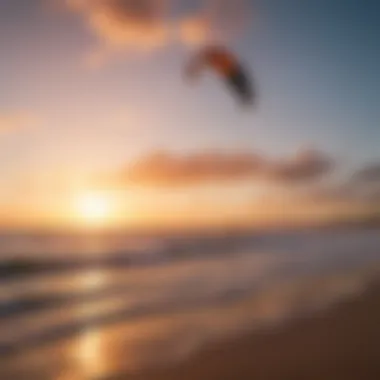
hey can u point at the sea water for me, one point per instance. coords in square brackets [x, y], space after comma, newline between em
[87, 306]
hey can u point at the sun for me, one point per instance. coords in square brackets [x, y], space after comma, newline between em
[94, 208]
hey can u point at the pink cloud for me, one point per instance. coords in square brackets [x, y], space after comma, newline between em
[148, 24]
[165, 169]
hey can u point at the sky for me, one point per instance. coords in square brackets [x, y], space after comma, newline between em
[93, 97]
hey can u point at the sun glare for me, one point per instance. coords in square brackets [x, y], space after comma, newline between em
[94, 208]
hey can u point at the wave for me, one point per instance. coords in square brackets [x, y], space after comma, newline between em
[171, 332]
[176, 299]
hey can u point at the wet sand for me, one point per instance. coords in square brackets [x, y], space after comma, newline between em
[342, 343]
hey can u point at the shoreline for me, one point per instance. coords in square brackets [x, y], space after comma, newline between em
[340, 343]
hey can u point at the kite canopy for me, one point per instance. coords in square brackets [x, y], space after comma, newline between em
[227, 66]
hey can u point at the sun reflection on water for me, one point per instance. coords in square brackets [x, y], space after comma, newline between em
[90, 353]
[89, 350]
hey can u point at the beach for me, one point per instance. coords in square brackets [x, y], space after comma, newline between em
[341, 343]
[299, 305]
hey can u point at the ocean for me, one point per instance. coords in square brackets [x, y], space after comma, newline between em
[88, 306]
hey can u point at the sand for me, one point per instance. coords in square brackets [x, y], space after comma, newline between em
[342, 343]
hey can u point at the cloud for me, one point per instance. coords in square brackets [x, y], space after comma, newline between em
[195, 30]
[14, 121]
[145, 25]
[363, 187]
[216, 20]
[165, 169]
[369, 174]
[366, 183]
[306, 165]
[126, 23]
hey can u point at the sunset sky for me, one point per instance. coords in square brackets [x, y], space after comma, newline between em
[97, 121]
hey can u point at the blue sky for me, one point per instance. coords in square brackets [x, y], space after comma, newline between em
[316, 64]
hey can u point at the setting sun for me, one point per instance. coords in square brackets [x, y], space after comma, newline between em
[95, 208]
